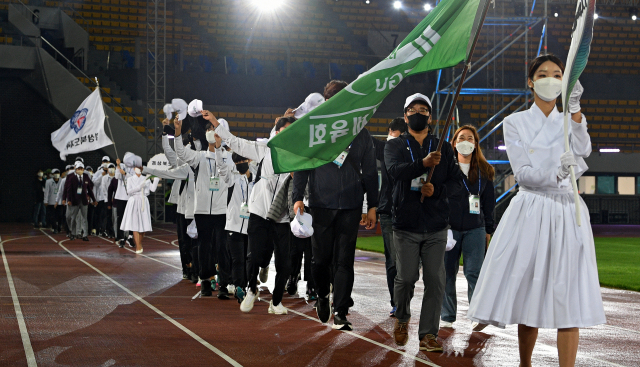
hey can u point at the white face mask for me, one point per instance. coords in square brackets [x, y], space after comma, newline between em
[70, 172]
[137, 171]
[391, 137]
[198, 144]
[211, 136]
[465, 148]
[39, 174]
[79, 172]
[112, 171]
[56, 175]
[548, 89]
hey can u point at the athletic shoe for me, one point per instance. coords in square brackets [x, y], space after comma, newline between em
[292, 284]
[231, 289]
[247, 302]
[185, 274]
[340, 322]
[223, 293]
[199, 283]
[130, 242]
[311, 294]
[71, 237]
[55, 231]
[194, 276]
[85, 238]
[324, 309]
[476, 326]
[392, 313]
[239, 294]
[120, 243]
[139, 251]
[401, 333]
[206, 290]
[93, 232]
[264, 274]
[277, 310]
[430, 344]
[446, 324]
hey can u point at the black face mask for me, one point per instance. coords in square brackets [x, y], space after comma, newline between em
[242, 167]
[418, 121]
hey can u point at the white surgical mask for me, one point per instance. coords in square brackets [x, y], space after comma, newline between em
[198, 144]
[112, 171]
[56, 175]
[390, 137]
[79, 172]
[211, 136]
[137, 171]
[39, 174]
[548, 89]
[465, 148]
[70, 171]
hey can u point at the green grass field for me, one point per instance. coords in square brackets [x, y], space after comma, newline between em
[618, 260]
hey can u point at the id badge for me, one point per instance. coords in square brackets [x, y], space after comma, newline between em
[474, 204]
[416, 183]
[341, 158]
[244, 211]
[214, 184]
[79, 190]
[55, 191]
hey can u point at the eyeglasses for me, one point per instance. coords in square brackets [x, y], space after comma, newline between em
[423, 111]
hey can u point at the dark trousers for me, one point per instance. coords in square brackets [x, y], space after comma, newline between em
[299, 247]
[237, 244]
[61, 211]
[39, 214]
[100, 217]
[266, 237]
[335, 234]
[212, 246]
[91, 210]
[184, 241]
[389, 252]
[120, 206]
[51, 216]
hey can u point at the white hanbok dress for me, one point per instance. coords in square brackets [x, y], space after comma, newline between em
[137, 215]
[540, 269]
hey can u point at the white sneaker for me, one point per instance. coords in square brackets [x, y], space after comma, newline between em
[231, 289]
[139, 251]
[476, 326]
[264, 274]
[249, 299]
[277, 310]
[446, 324]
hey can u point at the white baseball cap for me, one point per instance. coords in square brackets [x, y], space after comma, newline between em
[417, 97]
[224, 123]
[312, 101]
[106, 158]
[180, 107]
[195, 108]
[79, 165]
[168, 111]
[302, 225]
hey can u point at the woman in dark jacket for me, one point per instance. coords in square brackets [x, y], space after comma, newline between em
[471, 201]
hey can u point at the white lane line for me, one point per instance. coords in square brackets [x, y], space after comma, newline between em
[141, 300]
[166, 230]
[168, 243]
[143, 255]
[365, 339]
[24, 334]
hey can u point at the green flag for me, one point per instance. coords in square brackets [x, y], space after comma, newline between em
[441, 40]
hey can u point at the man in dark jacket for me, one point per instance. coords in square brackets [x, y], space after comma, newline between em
[336, 193]
[420, 219]
[397, 126]
[39, 211]
[78, 188]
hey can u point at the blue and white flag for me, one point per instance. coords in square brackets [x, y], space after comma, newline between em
[84, 131]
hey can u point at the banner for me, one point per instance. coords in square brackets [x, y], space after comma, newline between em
[84, 131]
[441, 40]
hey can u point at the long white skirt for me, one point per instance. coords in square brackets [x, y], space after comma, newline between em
[137, 216]
[541, 268]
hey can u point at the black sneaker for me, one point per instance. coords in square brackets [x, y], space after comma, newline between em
[121, 243]
[85, 238]
[311, 293]
[130, 242]
[323, 309]
[185, 273]
[205, 288]
[292, 284]
[194, 277]
[340, 322]
[223, 293]
[71, 237]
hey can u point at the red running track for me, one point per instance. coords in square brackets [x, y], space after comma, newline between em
[94, 304]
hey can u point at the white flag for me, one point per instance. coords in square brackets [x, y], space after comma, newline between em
[84, 131]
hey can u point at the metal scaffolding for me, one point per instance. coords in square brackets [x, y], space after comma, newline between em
[156, 91]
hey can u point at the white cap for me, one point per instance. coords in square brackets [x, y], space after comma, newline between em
[417, 97]
[168, 111]
[302, 225]
[180, 107]
[451, 243]
[55, 170]
[224, 123]
[79, 165]
[106, 158]
[195, 108]
[312, 101]
[131, 160]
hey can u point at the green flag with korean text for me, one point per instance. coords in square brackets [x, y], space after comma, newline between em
[443, 39]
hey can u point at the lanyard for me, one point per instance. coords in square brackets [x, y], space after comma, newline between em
[213, 173]
[242, 189]
[410, 151]
[479, 183]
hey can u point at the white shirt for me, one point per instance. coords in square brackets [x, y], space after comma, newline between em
[241, 192]
[121, 192]
[139, 185]
[103, 191]
[464, 167]
[51, 189]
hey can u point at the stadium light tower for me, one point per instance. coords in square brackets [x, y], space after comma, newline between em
[427, 7]
[633, 12]
[267, 5]
[397, 4]
[595, 16]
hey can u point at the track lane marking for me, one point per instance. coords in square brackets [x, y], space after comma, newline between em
[143, 255]
[22, 325]
[152, 307]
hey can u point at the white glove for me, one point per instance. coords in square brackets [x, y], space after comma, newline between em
[567, 160]
[574, 99]
[451, 243]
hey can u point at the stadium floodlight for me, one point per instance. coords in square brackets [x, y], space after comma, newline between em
[267, 5]
[633, 12]
[555, 14]
[397, 4]
[502, 147]
[427, 7]
[609, 150]
[367, 2]
[595, 15]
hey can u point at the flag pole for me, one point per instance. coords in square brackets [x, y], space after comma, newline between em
[467, 66]
[108, 124]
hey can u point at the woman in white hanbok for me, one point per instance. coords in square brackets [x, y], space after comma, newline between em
[137, 214]
[540, 270]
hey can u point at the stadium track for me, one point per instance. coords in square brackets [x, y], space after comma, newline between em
[76, 303]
